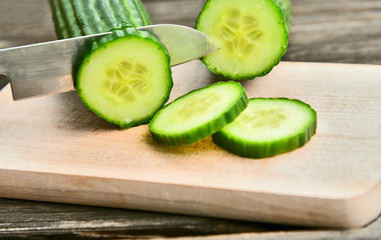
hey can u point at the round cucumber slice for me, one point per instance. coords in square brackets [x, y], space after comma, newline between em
[267, 127]
[252, 33]
[198, 114]
[126, 81]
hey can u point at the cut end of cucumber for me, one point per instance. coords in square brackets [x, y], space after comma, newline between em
[239, 33]
[268, 127]
[198, 114]
[252, 34]
[126, 81]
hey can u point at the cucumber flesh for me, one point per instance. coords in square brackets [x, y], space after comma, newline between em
[126, 81]
[267, 127]
[252, 33]
[124, 77]
[198, 114]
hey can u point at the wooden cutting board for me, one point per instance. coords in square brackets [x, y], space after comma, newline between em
[54, 149]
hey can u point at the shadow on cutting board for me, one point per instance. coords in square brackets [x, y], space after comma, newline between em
[201, 147]
[72, 113]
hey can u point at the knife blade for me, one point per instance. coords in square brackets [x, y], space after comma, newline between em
[46, 68]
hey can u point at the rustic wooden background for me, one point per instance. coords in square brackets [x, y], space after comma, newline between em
[345, 31]
[342, 31]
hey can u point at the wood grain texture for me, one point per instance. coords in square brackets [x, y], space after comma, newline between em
[372, 232]
[19, 217]
[347, 31]
[336, 31]
[64, 153]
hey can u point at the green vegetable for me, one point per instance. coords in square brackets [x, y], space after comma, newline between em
[253, 35]
[285, 7]
[124, 77]
[268, 127]
[198, 114]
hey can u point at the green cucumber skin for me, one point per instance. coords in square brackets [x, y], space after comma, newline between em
[74, 18]
[285, 10]
[206, 130]
[268, 149]
[264, 150]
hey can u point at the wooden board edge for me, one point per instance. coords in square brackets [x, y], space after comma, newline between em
[220, 203]
[364, 208]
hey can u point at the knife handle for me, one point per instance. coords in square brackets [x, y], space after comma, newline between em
[4, 80]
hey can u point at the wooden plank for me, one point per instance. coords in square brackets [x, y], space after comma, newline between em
[19, 217]
[372, 232]
[41, 220]
[346, 31]
[25, 22]
[57, 150]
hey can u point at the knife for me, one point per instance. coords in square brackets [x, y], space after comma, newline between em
[46, 68]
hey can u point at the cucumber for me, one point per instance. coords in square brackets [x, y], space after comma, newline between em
[124, 77]
[253, 35]
[286, 8]
[198, 114]
[267, 127]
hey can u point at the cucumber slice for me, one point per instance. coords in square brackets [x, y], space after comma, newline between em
[253, 36]
[267, 127]
[124, 77]
[126, 81]
[198, 114]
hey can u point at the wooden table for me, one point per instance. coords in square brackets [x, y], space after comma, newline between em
[345, 31]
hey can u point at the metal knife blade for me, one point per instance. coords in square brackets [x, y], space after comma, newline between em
[46, 68]
[183, 43]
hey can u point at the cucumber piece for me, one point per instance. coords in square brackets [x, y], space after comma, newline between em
[125, 81]
[198, 114]
[124, 77]
[253, 35]
[286, 8]
[267, 127]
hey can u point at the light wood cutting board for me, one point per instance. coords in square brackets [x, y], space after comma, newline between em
[54, 149]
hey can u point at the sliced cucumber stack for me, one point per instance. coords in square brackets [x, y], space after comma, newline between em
[253, 35]
[267, 127]
[198, 114]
